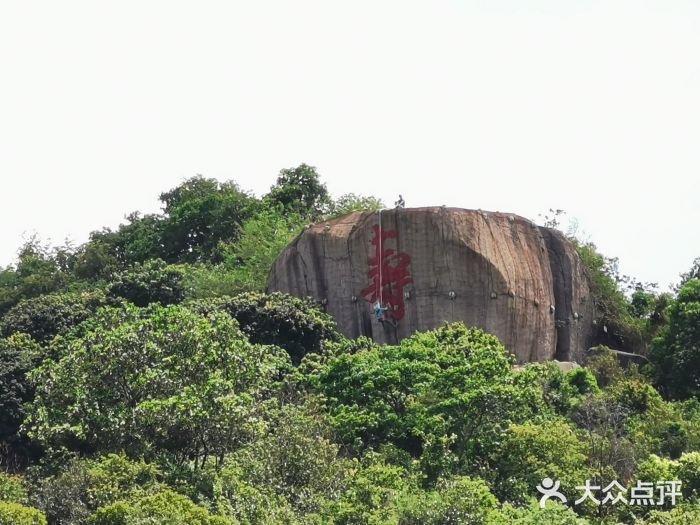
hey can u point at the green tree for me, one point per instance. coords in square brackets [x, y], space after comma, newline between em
[531, 452]
[39, 270]
[634, 396]
[692, 273]
[582, 381]
[80, 486]
[605, 432]
[450, 381]
[663, 428]
[687, 471]
[200, 214]
[618, 327]
[94, 260]
[642, 303]
[676, 352]
[370, 497]
[62, 495]
[18, 355]
[151, 282]
[247, 504]
[136, 241]
[556, 390]
[262, 239]
[554, 513]
[115, 477]
[159, 379]
[350, 202]
[300, 191]
[605, 366]
[681, 515]
[453, 502]
[47, 316]
[279, 319]
[297, 459]
[197, 216]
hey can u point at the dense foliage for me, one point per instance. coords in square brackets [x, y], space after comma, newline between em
[47, 316]
[294, 324]
[453, 382]
[153, 380]
[146, 377]
[299, 190]
[151, 282]
[676, 351]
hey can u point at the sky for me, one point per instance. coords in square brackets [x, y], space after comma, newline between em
[592, 107]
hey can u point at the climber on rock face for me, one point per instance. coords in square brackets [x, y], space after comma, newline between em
[379, 311]
[400, 203]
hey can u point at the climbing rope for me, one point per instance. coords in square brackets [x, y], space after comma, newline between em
[381, 248]
[379, 308]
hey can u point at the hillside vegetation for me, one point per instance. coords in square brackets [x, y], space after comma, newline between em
[146, 377]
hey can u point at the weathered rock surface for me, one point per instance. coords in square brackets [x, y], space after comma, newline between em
[496, 271]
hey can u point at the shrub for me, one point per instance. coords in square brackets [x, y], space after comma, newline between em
[151, 282]
[164, 507]
[635, 396]
[369, 498]
[294, 324]
[12, 489]
[453, 502]
[531, 452]
[80, 487]
[612, 307]
[296, 459]
[688, 472]
[63, 496]
[681, 515]
[47, 316]
[582, 381]
[16, 514]
[605, 366]
[554, 513]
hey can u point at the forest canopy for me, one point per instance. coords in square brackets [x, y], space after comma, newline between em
[147, 377]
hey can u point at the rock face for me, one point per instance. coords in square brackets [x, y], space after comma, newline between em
[496, 271]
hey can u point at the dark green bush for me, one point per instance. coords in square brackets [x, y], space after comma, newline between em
[47, 316]
[18, 354]
[151, 282]
[297, 325]
[676, 352]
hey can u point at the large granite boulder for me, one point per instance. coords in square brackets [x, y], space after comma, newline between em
[496, 271]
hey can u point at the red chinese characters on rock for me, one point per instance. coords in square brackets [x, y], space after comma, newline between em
[389, 273]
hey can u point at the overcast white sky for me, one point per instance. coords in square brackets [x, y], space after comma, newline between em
[518, 106]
